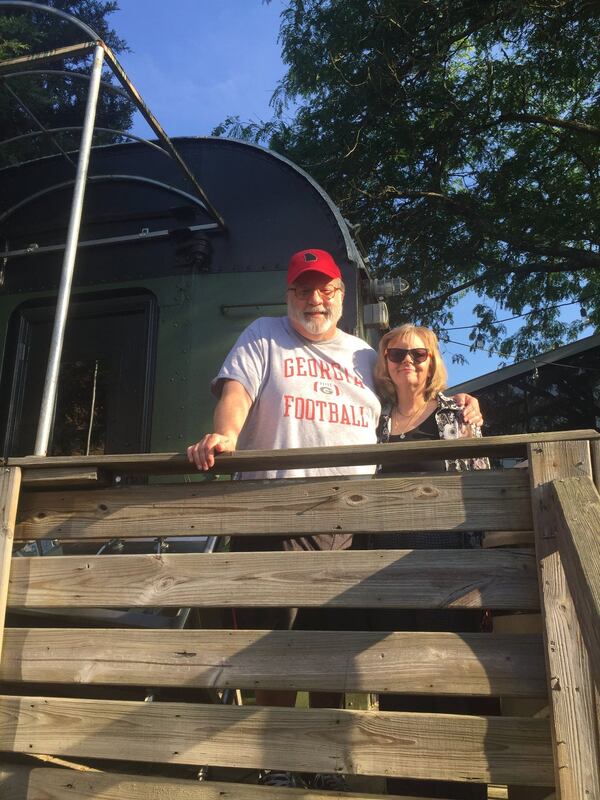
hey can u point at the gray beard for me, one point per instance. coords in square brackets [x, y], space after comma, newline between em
[317, 326]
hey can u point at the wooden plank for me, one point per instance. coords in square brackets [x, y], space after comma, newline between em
[250, 460]
[10, 482]
[352, 579]
[521, 706]
[507, 539]
[570, 682]
[63, 784]
[14, 781]
[437, 746]
[406, 662]
[595, 455]
[577, 510]
[478, 500]
[55, 478]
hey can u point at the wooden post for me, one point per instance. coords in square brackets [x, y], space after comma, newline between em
[571, 688]
[10, 483]
[595, 453]
[578, 514]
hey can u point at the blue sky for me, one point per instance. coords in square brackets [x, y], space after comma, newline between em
[195, 62]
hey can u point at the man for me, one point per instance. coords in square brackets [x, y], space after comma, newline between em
[312, 382]
[297, 381]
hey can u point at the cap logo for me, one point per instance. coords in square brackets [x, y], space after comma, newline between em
[312, 260]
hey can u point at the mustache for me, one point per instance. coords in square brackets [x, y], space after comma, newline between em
[319, 310]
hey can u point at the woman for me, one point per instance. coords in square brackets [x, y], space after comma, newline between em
[410, 376]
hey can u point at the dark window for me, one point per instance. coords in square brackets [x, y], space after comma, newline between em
[81, 409]
[105, 383]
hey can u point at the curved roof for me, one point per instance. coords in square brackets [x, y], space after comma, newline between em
[271, 207]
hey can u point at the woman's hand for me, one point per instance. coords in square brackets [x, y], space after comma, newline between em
[471, 411]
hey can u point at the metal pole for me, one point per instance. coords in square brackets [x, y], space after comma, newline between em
[64, 292]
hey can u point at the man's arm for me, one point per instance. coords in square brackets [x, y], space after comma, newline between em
[471, 410]
[230, 415]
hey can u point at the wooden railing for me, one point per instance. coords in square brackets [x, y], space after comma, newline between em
[78, 693]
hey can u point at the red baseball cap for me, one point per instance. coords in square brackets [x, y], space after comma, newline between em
[312, 261]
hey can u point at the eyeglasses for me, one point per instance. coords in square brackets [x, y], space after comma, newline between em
[326, 293]
[398, 354]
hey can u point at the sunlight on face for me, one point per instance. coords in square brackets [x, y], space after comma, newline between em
[407, 374]
[315, 317]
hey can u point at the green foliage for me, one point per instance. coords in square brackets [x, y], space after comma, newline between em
[463, 136]
[55, 100]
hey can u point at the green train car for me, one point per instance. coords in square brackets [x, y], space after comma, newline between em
[160, 290]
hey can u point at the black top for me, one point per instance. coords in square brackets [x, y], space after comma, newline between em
[426, 431]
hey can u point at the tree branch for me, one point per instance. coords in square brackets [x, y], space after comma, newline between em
[565, 124]
[497, 271]
[441, 298]
[581, 259]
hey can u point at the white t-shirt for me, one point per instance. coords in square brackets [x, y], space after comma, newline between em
[304, 393]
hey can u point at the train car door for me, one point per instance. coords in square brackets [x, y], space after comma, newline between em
[106, 376]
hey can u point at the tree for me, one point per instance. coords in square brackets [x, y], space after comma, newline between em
[55, 100]
[463, 137]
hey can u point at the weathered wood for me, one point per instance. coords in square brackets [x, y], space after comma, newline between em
[407, 662]
[577, 510]
[65, 476]
[595, 455]
[10, 482]
[438, 746]
[250, 460]
[507, 539]
[478, 500]
[519, 624]
[502, 579]
[63, 784]
[570, 682]
[14, 782]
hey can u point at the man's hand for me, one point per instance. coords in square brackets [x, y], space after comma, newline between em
[230, 415]
[471, 410]
[202, 454]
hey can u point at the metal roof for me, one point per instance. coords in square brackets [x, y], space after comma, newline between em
[529, 364]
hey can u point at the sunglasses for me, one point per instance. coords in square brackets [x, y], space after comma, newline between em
[417, 354]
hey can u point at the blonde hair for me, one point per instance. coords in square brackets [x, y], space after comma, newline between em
[437, 379]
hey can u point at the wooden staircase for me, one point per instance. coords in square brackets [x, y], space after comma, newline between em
[79, 695]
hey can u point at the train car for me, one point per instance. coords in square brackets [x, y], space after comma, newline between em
[161, 291]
